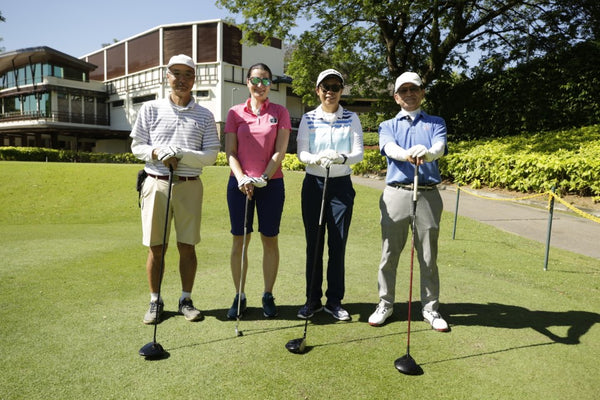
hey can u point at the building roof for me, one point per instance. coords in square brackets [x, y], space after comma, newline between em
[41, 54]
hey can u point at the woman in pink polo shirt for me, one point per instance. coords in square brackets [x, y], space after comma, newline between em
[256, 139]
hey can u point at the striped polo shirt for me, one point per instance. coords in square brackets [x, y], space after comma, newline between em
[191, 128]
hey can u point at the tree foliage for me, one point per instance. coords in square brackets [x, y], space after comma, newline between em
[2, 19]
[558, 91]
[373, 41]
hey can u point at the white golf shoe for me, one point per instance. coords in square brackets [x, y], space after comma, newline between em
[436, 321]
[382, 312]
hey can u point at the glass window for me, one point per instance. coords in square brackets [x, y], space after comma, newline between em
[143, 99]
[30, 104]
[57, 71]
[45, 104]
[46, 70]
[37, 71]
[11, 105]
[73, 74]
[21, 76]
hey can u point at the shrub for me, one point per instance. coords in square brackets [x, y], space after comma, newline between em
[568, 160]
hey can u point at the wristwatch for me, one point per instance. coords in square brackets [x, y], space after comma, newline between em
[265, 177]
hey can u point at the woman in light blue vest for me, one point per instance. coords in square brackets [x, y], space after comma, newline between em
[329, 140]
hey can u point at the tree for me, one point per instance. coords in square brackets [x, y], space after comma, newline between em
[373, 41]
[2, 19]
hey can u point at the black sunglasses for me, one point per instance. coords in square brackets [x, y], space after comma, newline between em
[331, 88]
[256, 80]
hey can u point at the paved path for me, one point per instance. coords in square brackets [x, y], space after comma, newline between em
[569, 231]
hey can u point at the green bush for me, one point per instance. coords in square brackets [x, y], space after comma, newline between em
[53, 155]
[371, 138]
[568, 160]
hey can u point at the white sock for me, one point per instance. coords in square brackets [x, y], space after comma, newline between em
[185, 295]
[153, 297]
[243, 296]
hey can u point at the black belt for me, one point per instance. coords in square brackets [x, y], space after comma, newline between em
[175, 177]
[409, 186]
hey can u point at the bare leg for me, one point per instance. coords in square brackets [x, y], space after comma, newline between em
[188, 264]
[236, 259]
[153, 267]
[270, 261]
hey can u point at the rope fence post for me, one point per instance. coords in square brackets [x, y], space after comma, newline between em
[549, 232]
[456, 210]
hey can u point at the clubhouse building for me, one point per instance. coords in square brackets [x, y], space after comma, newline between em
[54, 100]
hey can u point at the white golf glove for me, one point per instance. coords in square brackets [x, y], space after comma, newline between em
[259, 182]
[328, 157]
[329, 153]
[245, 180]
[417, 151]
[166, 152]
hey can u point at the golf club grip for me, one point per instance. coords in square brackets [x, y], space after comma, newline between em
[322, 212]
[416, 181]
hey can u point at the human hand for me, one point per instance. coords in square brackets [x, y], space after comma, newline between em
[171, 163]
[329, 153]
[165, 152]
[244, 181]
[428, 156]
[340, 159]
[259, 182]
[326, 162]
[417, 151]
[328, 157]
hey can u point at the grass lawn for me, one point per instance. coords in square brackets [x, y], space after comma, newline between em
[73, 293]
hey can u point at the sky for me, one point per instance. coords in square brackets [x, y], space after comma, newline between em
[78, 28]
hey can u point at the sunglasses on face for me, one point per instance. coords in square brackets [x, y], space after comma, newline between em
[256, 81]
[412, 89]
[331, 88]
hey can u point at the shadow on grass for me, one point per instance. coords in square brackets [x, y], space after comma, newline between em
[514, 317]
[458, 314]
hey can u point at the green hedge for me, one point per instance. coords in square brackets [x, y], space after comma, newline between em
[52, 155]
[568, 160]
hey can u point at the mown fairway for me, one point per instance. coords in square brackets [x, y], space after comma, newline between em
[73, 292]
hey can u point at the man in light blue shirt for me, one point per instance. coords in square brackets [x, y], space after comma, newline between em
[411, 138]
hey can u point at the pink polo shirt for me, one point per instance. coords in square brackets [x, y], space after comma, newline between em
[257, 135]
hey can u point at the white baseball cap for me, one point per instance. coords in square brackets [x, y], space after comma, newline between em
[408, 77]
[327, 73]
[182, 59]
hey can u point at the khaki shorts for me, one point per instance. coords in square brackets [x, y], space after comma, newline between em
[185, 210]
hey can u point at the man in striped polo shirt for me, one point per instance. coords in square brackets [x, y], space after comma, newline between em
[174, 133]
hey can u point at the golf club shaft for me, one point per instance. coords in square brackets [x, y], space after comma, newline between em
[412, 249]
[164, 246]
[320, 234]
[239, 305]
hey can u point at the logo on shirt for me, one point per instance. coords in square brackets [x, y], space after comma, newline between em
[273, 120]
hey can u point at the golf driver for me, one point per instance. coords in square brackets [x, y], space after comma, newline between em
[406, 364]
[239, 305]
[153, 350]
[298, 346]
